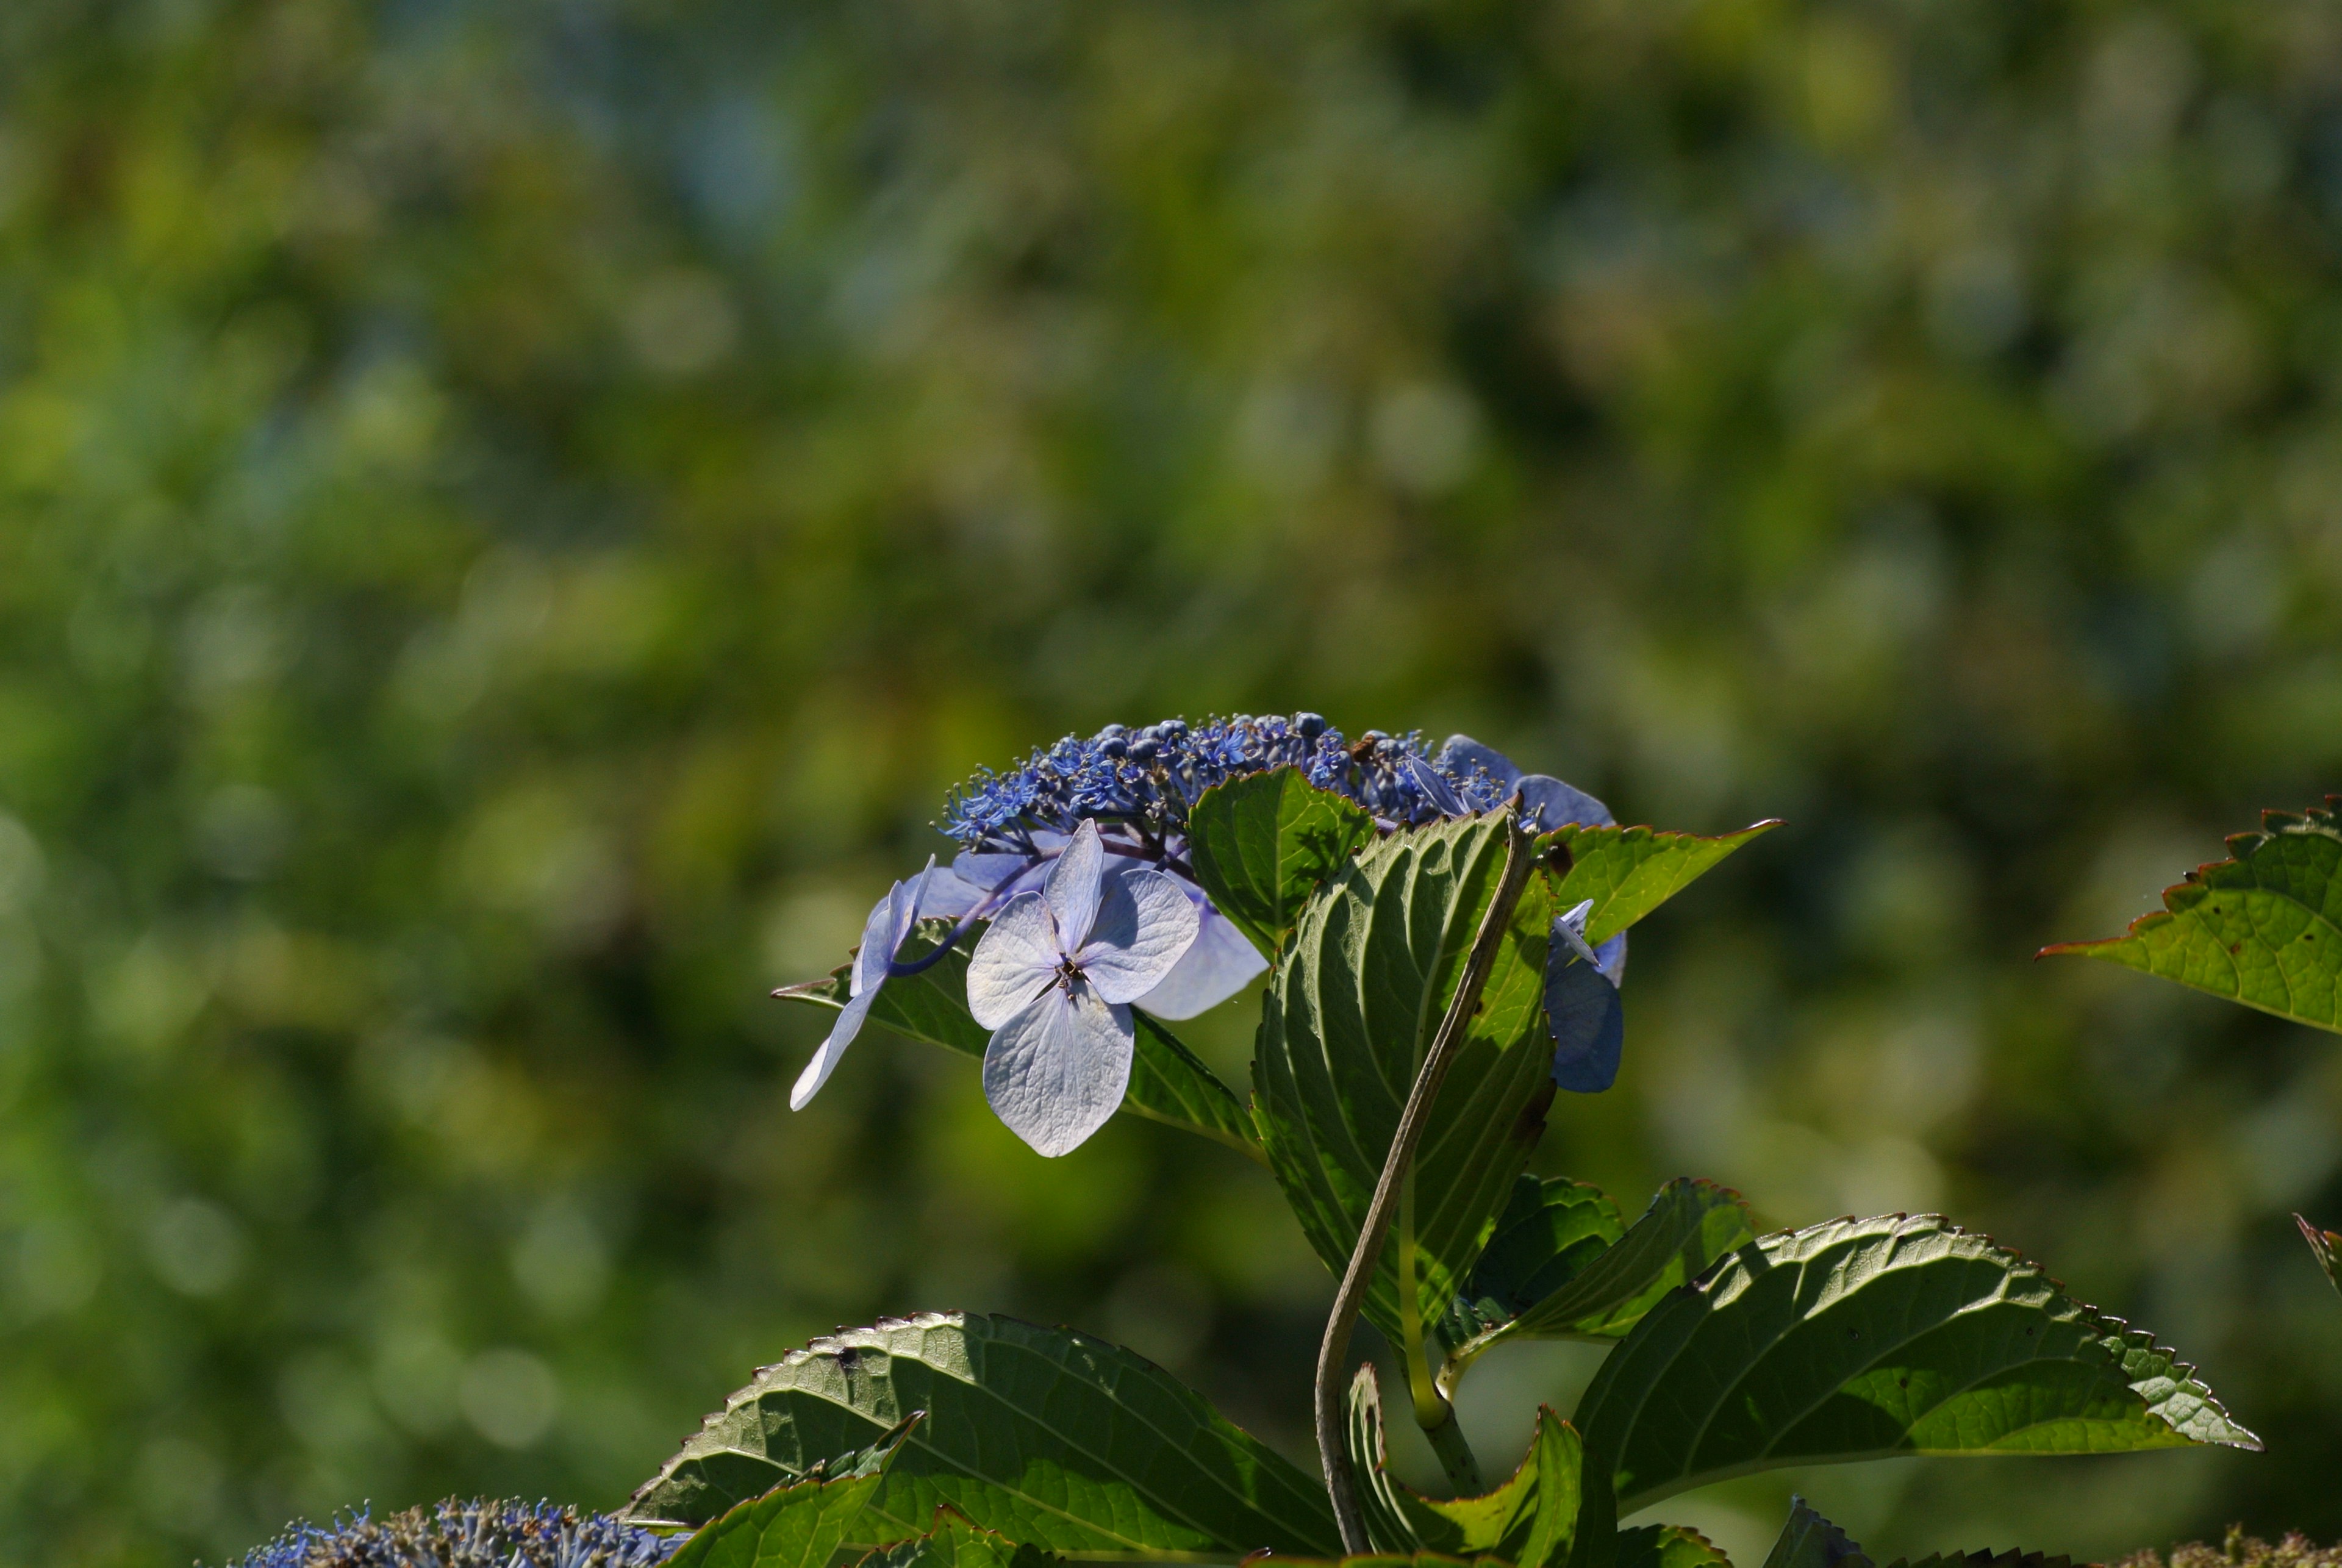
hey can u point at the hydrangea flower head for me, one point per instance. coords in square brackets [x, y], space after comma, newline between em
[1054, 978]
[474, 1534]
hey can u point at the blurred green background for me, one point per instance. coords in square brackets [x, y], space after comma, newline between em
[512, 516]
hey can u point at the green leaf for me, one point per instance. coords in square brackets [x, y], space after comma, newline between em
[1261, 845]
[1168, 1082]
[1810, 1541]
[1046, 1436]
[1538, 1518]
[1861, 1339]
[2326, 1246]
[2262, 928]
[1629, 872]
[1689, 1225]
[1350, 1014]
[1550, 1229]
[954, 1542]
[798, 1524]
[1668, 1547]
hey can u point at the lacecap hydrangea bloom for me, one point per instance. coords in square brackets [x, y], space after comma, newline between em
[1129, 791]
[468, 1534]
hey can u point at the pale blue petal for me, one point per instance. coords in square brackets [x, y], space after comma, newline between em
[1555, 802]
[1016, 960]
[1144, 925]
[879, 940]
[1075, 885]
[1435, 788]
[1589, 1024]
[1611, 959]
[1463, 754]
[1569, 927]
[1221, 963]
[1056, 1072]
[825, 1060]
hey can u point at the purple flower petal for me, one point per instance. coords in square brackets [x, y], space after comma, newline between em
[1016, 962]
[1144, 925]
[1056, 1072]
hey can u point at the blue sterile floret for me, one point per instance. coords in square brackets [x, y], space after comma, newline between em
[467, 1535]
[1148, 779]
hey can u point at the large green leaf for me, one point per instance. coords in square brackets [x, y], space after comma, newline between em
[1349, 1016]
[1629, 872]
[1046, 1436]
[1551, 1512]
[2262, 928]
[1860, 1339]
[1168, 1082]
[798, 1524]
[1261, 845]
[1550, 1229]
[1689, 1225]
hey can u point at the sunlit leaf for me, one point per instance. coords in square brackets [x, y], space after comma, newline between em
[1261, 845]
[1048, 1436]
[1668, 1547]
[1629, 872]
[797, 1524]
[2263, 927]
[1861, 1339]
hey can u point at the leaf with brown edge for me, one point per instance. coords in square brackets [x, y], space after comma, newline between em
[2263, 927]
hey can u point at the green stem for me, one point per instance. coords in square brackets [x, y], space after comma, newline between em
[1432, 1410]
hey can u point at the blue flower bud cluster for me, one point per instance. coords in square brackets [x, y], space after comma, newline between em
[1148, 779]
[474, 1534]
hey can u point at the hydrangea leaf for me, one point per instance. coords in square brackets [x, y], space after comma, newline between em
[1349, 1018]
[1689, 1225]
[1168, 1082]
[1864, 1339]
[954, 1542]
[1048, 1436]
[1668, 1547]
[1261, 845]
[1810, 1541]
[800, 1523]
[1629, 872]
[1551, 1228]
[1549, 1513]
[2263, 927]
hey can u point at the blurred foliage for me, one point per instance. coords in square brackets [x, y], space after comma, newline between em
[511, 515]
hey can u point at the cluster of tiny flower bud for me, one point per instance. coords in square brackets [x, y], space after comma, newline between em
[1148, 778]
[474, 1534]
